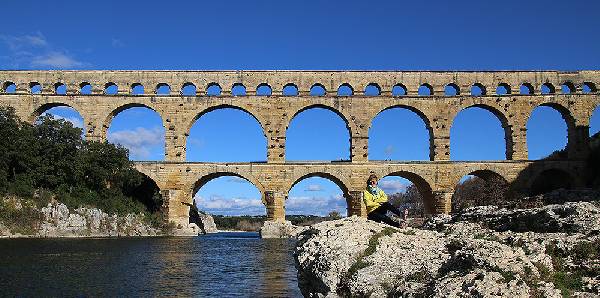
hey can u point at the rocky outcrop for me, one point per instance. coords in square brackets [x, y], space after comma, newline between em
[57, 220]
[280, 229]
[483, 253]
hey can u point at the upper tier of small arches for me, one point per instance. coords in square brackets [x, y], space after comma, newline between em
[295, 83]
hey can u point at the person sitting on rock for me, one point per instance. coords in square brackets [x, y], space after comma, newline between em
[377, 203]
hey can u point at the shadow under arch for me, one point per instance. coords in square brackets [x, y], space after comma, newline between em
[329, 177]
[148, 193]
[475, 192]
[118, 110]
[418, 113]
[220, 107]
[508, 133]
[550, 179]
[422, 185]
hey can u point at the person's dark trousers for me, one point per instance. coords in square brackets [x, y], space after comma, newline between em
[379, 214]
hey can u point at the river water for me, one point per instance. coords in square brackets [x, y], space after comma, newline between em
[222, 264]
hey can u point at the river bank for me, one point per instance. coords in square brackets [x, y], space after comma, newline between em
[24, 219]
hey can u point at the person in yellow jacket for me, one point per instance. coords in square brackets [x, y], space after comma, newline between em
[377, 203]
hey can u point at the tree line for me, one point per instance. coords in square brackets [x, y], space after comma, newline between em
[50, 160]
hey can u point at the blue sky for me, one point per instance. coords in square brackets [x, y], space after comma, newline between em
[364, 35]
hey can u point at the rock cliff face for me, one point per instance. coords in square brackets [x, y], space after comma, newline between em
[58, 221]
[484, 252]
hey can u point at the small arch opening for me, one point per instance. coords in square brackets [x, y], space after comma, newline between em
[503, 89]
[290, 90]
[589, 87]
[425, 90]
[372, 90]
[238, 89]
[547, 88]
[60, 88]
[478, 89]
[317, 90]
[163, 89]
[188, 89]
[345, 90]
[9, 87]
[595, 121]
[399, 90]
[567, 88]
[526, 89]
[137, 89]
[213, 89]
[35, 88]
[264, 90]
[85, 88]
[451, 90]
[111, 88]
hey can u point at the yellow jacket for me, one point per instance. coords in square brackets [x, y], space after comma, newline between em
[374, 201]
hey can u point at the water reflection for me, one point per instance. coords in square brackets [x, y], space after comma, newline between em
[224, 265]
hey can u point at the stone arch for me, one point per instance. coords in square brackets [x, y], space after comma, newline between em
[399, 90]
[290, 89]
[420, 114]
[6, 85]
[591, 87]
[550, 179]
[373, 88]
[188, 85]
[49, 105]
[218, 90]
[567, 117]
[203, 180]
[315, 87]
[478, 86]
[422, 185]
[492, 191]
[503, 89]
[326, 107]
[425, 89]
[121, 108]
[508, 134]
[264, 89]
[526, 89]
[451, 89]
[111, 88]
[35, 87]
[218, 107]
[152, 175]
[568, 87]
[343, 185]
[137, 89]
[164, 86]
[344, 86]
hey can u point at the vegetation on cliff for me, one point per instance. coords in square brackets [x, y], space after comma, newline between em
[50, 160]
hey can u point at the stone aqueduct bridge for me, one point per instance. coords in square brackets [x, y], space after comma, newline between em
[435, 179]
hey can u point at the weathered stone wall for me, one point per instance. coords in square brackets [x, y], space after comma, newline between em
[178, 179]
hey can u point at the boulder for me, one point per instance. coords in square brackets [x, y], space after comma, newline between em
[279, 229]
[459, 257]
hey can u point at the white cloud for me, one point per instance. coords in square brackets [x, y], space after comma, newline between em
[55, 60]
[77, 122]
[138, 140]
[117, 43]
[230, 206]
[236, 179]
[392, 186]
[314, 187]
[198, 143]
[35, 51]
[15, 43]
[389, 150]
[315, 205]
